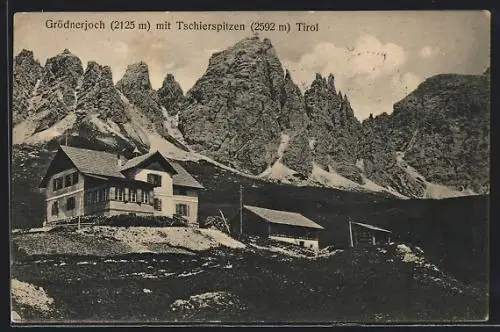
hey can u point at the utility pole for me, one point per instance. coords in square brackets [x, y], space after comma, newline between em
[241, 210]
[350, 233]
[81, 203]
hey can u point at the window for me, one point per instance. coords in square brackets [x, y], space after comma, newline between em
[75, 178]
[133, 195]
[57, 183]
[71, 179]
[154, 179]
[119, 194]
[55, 209]
[70, 203]
[96, 196]
[180, 191]
[145, 196]
[68, 180]
[182, 210]
[157, 204]
[88, 198]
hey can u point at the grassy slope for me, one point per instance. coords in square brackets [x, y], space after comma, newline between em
[362, 285]
[107, 241]
[453, 232]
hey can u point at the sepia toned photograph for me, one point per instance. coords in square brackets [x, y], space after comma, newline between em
[250, 167]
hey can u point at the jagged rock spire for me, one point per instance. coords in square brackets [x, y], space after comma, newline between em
[331, 82]
[170, 95]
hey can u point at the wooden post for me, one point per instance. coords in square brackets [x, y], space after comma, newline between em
[241, 210]
[225, 222]
[350, 234]
[81, 208]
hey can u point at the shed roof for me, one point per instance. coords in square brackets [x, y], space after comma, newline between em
[375, 228]
[283, 217]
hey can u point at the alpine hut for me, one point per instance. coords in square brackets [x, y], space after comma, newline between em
[364, 234]
[290, 227]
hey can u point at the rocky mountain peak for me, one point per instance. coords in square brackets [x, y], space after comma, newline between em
[136, 87]
[247, 112]
[24, 54]
[55, 94]
[65, 64]
[136, 77]
[168, 79]
[26, 73]
[293, 116]
[331, 82]
[97, 94]
[334, 125]
[234, 112]
[170, 95]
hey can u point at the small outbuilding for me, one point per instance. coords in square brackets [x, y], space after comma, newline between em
[290, 227]
[364, 234]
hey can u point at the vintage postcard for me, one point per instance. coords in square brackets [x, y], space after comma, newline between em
[250, 167]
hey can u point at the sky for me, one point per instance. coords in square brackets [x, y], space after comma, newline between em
[376, 57]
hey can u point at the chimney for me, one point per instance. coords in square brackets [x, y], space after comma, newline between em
[119, 159]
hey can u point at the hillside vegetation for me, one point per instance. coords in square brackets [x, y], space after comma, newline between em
[394, 283]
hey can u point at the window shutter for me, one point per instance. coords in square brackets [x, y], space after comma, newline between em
[157, 204]
[55, 208]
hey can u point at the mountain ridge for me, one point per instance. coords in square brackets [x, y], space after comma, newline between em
[243, 107]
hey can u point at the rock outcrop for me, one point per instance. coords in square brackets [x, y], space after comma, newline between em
[334, 128]
[26, 74]
[136, 86]
[170, 95]
[55, 95]
[97, 94]
[62, 99]
[443, 128]
[232, 113]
